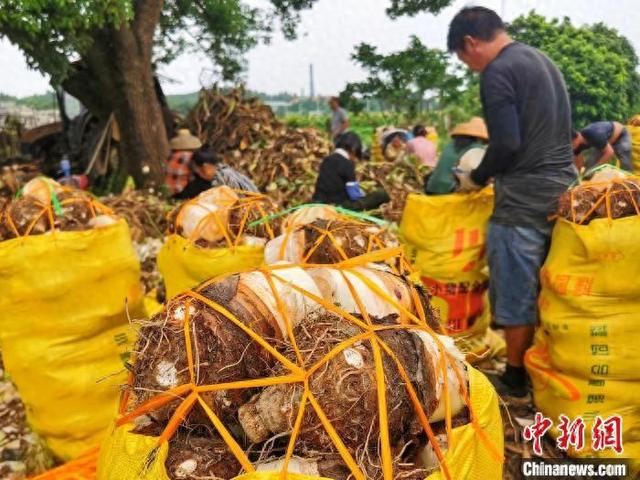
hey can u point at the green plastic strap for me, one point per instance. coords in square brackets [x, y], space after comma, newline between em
[593, 170]
[344, 211]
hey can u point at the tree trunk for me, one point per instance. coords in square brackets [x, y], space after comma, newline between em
[116, 76]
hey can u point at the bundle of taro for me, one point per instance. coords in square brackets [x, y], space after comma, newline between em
[327, 371]
[610, 194]
[222, 217]
[44, 206]
[323, 235]
[246, 134]
[399, 179]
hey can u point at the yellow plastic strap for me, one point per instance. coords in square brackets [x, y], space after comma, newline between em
[337, 441]
[236, 450]
[261, 341]
[177, 418]
[251, 383]
[387, 461]
[295, 431]
[285, 316]
[422, 416]
[187, 341]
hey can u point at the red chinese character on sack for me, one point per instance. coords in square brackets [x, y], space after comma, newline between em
[571, 434]
[583, 286]
[561, 284]
[607, 434]
[536, 431]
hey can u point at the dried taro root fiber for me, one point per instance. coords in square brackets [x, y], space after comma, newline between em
[45, 205]
[246, 134]
[617, 198]
[327, 241]
[145, 212]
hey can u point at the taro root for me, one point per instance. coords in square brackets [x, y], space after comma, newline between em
[590, 200]
[194, 458]
[220, 215]
[311, 242]
[27, 215]
[222, 351]
[345, 388]
[46, 205]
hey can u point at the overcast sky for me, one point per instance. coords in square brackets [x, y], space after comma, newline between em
[327, 35]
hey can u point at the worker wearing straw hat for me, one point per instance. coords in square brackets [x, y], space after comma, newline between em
[465, 151]
[179, 163]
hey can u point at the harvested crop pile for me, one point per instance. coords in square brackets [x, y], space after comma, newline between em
[14, 176]
[145, 212]
[616, 198]
[237, 352]
[22, 452]
[399, 179]
[222, 217]
[46, 205]
[327, 241]
[280, 160]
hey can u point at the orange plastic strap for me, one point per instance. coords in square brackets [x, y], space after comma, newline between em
[383, 420]
[236, 450]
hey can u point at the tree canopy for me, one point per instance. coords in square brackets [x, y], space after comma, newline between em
[599, 65]
[402, 79]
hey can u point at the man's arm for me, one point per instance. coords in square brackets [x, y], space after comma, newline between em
[503, 125]
[607, 154]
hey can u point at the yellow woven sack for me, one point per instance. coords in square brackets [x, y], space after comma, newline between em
[184, 265]
[635, 146]
[590, 299]
[63, 327]
[444, 238]
[123, 454]
[557, 393]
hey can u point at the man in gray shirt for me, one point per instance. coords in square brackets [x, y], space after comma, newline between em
[339, 119]
[527, 111]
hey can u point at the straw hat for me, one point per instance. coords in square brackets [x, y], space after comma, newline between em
[473, 128]
[185, 141]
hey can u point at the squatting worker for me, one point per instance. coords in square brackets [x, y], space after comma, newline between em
[179, 172]
[526, 108]
[339, 118]
[337, 184]
[610, 138]
[465, 137]
[208, 172]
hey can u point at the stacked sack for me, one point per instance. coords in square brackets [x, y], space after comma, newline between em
[68, 276]
[316, 371]
[444, 237]
[214, 234]
[584, 360]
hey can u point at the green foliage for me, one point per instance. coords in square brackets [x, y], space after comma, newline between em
[50, 32]
[413, 7]
[53, 33]
[599, 65]
[402, 80]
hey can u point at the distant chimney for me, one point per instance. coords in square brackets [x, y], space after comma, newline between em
[312, 87]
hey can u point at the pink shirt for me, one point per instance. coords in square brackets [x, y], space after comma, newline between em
[424, 149]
